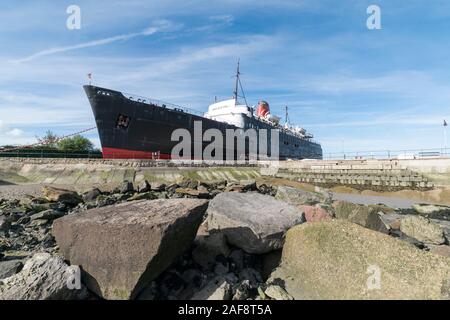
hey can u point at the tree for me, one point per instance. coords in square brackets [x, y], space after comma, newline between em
[49, 140]
[75, 143]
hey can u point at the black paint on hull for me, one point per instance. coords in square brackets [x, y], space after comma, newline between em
[135, 129]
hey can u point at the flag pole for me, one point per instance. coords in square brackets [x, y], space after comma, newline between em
[445, 140]
[445, 137]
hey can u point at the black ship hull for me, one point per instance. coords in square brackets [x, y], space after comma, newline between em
[140, 129]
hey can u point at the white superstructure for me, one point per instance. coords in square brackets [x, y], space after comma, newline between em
[243, 116]
[229, 112]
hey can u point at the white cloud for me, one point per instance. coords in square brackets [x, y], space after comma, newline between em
[15, 132]
[223, 18]
[13, 136]
[162, 25]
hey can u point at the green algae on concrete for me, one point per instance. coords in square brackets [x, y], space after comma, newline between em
[83, 172]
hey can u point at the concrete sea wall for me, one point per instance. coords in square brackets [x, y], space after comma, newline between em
[379, 175]
[370, 174]
[112, 172]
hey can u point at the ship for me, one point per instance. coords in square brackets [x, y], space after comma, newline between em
[134, 127]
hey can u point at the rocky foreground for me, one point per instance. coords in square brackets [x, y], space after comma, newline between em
[240, 241]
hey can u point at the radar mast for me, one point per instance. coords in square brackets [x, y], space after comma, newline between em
[238, 85]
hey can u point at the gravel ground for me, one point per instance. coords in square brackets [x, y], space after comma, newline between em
[15, 191]
[18, 191]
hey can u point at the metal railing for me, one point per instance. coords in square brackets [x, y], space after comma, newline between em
[44, 153]
[352, 155]
[162, 104]
[389, 154]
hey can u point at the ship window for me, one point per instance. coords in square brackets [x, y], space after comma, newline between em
[122, 122]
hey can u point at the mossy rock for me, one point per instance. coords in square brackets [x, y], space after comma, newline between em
[339, 260]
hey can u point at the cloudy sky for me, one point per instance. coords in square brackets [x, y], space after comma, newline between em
[353, 88]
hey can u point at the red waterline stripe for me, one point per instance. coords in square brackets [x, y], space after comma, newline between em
[114, 153]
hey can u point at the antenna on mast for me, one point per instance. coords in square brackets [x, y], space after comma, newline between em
[236, 88]
[238, 85]
[287, 115]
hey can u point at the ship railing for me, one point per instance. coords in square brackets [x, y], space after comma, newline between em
[162, 104]
[390, 154]
[288, 130]
[306, 136]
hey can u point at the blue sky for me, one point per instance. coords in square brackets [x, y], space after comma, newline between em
[353, 88]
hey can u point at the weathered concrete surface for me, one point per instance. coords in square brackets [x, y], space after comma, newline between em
[253, 222]
[394, 174]
[122, 248]
[99, 172]
[336, 259]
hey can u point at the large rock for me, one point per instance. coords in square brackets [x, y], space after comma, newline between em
[270, 261]
[422, 229]
[122, 248]
[248, 185]
[157, 186]
[392, 220]
[126, 187]
[9, 268]
[314, 214]
[208, 247]
[366, 216]
[277, 293]
[192, 192]
[144, 186]
[445, 225]
[5, 224]
[43, 277]
[216, 289]
[91, 195]
[253, 222]
[47, 215]
[298, 196]
[142, 196]
[341, 260]
[61, 195]
[430, 209]
[442, 250]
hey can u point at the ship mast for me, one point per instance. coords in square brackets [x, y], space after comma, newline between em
[238, 85]
[287, 115]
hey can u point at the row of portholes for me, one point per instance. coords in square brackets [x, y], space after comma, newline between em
[287, 143]
[103, 93]
[138, 100]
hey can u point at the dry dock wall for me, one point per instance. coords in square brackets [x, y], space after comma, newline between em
[369, 174]
[112, 172]
[363, 174]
